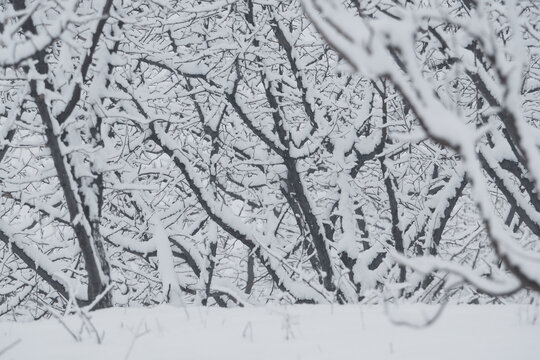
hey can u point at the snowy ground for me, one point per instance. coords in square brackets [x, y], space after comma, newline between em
[276, 333]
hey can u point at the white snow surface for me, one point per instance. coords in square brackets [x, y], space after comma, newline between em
[278, 332]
